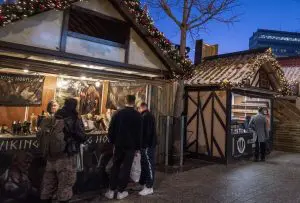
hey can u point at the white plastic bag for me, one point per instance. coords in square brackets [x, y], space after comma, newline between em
[135, 172]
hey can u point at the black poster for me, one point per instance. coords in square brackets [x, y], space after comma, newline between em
[117, 93]
[21, 90]
[242, 145]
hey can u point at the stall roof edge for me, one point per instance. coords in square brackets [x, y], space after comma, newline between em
[250, 51]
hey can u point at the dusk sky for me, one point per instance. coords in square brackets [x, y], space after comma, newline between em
[265, 14]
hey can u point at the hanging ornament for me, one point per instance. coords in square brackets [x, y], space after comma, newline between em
[42, 7]
[13, 17]
[2, 18]
[30, 12]
[52, 5]
[19, 9]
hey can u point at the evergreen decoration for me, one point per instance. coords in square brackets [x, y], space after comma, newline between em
[25, 8]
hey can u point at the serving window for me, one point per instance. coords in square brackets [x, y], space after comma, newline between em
[243, 108]
[25, 95]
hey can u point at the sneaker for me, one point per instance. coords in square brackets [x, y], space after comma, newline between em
[146, 191]
[109, 194]
[122, 195]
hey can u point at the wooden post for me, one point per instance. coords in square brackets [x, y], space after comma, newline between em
[104, 96]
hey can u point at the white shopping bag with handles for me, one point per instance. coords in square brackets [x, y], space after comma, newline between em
[135, 172]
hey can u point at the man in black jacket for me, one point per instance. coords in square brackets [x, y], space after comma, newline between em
[125, 134]
[148, 150]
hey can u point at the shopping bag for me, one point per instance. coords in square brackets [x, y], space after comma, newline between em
[135, 172]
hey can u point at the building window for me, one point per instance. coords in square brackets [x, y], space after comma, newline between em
[97, 27]
[288, 39]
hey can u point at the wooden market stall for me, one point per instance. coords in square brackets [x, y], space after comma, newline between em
[54, 54]
[225, 91]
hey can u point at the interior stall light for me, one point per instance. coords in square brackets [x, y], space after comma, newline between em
[63, 84]
[59, 84]
[97, 84]
[83, 78]
[25, 70]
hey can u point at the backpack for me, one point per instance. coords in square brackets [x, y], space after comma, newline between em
[73, 135]
[51, 137]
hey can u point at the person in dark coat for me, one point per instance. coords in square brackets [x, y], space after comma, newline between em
[60, 173]
[258, 124]
[125, 133]
[148, 150]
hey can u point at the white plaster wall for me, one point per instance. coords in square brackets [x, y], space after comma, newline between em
[140, 54]
[95, 50]
[42, 30]
[101, 6]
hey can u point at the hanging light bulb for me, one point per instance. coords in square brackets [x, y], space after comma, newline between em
[97, 84]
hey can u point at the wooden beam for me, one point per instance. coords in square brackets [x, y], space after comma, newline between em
[218, 148]
[219, 119]
[212, 126]
[228, 138]
[207, 101]
[204, 129]
[64, 31]
[39, 66]
[220, 103]
[104, 96]
[127, 47]
[197, 130]
[192, 100]
[29, 50]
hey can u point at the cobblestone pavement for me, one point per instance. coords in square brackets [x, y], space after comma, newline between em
[276, 180]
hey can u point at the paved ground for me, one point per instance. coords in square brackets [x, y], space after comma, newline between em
[276, 180]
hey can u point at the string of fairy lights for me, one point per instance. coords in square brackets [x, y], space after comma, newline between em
[24, 8]
[261, 59]
[184, 67]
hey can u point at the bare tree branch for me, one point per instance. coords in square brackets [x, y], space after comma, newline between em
[164, 5]
[213, 11]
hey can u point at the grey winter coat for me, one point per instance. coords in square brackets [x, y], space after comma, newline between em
[258, 124]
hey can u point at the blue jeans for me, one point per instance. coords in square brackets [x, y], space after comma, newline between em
[148, 167]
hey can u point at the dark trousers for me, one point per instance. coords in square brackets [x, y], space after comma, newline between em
[148, 167]
[260, 149]
[120, 172]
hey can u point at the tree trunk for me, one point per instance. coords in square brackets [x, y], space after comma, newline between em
[178, 104]
[182, 41]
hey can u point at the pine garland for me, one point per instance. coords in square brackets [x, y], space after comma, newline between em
[25, 8]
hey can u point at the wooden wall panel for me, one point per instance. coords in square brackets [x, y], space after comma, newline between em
[48, 95]
[9, 114]
[209, 125]
[161, 105]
